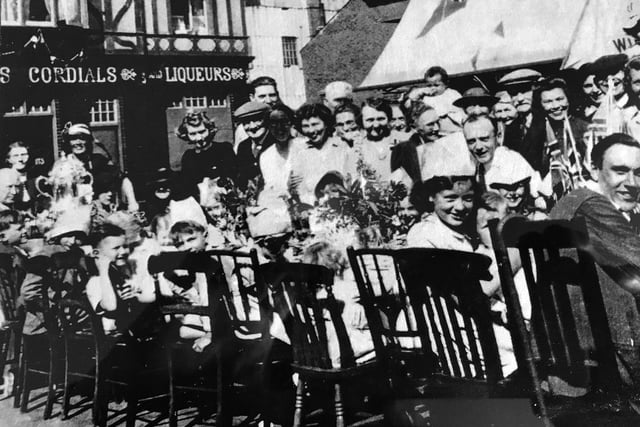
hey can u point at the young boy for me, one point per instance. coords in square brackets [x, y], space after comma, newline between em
[110, 290]
[11, 230]
[190, 236]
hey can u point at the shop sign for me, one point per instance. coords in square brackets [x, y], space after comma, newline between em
[51, 75]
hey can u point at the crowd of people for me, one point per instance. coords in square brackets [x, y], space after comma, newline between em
[428, 168]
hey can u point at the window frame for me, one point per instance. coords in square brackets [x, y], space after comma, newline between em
[189, 26]
[290, 52]
[111, 106]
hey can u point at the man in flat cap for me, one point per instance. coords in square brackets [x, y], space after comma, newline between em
[261, 89]
[504, 113]
[519, 85]
[252, 117]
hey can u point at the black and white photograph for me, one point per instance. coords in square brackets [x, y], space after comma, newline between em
[319, 213]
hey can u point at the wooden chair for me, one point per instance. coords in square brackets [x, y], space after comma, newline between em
[255, 360]
[108, 361]
[11, 276]
[244, 350]
[294, 287]
[430, 321]
[193, 263]
[62, 274]
[559, 273]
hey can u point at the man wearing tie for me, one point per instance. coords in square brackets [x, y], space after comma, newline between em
[493, 162]
[608, 210]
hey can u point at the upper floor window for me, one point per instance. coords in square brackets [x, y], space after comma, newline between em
[289, 51]
[43, 12]
[188, 17]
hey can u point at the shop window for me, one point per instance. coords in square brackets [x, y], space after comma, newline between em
[289, 51]
[188, 17]
[104, 112]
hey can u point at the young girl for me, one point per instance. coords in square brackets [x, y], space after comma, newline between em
[449, 222]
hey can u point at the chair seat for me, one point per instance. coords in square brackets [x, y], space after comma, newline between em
[335, 373]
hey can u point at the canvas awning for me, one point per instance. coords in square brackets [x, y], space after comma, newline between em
[605, 28]
[465, 36]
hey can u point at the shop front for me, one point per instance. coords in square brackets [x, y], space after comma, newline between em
[132, 103]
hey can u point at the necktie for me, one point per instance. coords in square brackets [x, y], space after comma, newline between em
[481, 181]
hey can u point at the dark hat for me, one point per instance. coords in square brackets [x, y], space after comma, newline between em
[586, 69]
[106, 180]
[475, 96]
[161, 178]
[521, 76]
[251, 109]
[608, 64]
[332, 177]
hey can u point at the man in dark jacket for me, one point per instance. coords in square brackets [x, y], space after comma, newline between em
[614, 236]
[252, 116]
[519, 84]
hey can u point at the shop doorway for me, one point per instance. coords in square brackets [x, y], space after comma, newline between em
[105, 125]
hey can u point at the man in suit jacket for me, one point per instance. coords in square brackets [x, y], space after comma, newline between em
[608, 210]
[252, 116]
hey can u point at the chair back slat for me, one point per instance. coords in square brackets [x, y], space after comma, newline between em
[560, 270]
[440, 312]
[294, 288]
[461, 343]
[431, 324]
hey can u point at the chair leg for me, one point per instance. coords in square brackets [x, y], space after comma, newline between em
[100, 402]
[19, 356]
[24, 380]
[66, 394]
[224, 415]
[297, 416]
[132, 404]
[173, 413]
[51, 391]
[5, 339]
[339, 406]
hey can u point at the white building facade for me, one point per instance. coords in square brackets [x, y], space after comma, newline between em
[278, 29]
